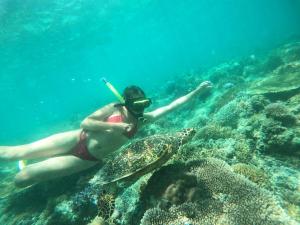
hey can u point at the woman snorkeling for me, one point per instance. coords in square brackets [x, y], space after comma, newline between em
[101, 133]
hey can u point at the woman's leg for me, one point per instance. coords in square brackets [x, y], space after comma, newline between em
[51, 168]
[56, 144]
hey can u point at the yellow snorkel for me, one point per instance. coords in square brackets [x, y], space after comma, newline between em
[113, 90]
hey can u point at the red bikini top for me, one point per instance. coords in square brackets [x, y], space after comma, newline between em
[120, 119]
[115, 119]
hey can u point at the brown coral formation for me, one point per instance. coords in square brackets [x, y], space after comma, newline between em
[214, 131]
[234, 200]
[278, 111]
[251, 172]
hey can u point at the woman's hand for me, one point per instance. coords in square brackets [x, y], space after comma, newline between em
[206, 85]
[123, 127]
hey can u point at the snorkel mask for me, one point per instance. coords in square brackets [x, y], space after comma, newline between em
[137, 105]
[133, 99]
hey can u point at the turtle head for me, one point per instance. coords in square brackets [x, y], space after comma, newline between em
[186, 135]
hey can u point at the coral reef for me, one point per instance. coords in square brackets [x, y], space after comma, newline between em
[214, 131]
[272, 128]
[224, 98]
[253, 173]
[294, 104]
[272, 63]
[258, 103]
[232, 199]
[243, 151]
[243, 106]
[228, 115]
[278, 111]
[273, 137]
[282, 84]
[206, 212]
[98, 221]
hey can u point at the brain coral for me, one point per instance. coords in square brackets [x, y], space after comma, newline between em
[228, 115]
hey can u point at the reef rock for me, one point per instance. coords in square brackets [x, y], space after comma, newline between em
[282, 84]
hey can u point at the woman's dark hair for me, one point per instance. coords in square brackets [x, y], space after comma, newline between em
[133, 92]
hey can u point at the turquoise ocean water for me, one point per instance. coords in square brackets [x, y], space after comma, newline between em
[53, 55]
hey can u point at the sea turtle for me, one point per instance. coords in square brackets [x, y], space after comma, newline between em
[133, 161]
[142, 156]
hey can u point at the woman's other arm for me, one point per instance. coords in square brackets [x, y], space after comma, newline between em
[96, 121]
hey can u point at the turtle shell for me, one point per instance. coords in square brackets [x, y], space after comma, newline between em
[143, 156]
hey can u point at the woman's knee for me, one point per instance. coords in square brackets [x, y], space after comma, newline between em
[23, 179]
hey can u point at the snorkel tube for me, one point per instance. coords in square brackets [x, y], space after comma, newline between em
[113, 90]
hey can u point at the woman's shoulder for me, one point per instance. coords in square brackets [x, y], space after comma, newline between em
[105, 110]
[114, 107]
[111, 105]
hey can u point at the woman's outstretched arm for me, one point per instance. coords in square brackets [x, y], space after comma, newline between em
[156, 114]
